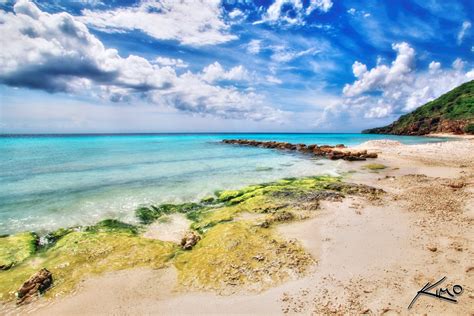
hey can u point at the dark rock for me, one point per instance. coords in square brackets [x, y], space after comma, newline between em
[38, 283]
[6, 266]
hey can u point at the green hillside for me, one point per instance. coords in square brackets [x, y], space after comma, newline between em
[453, 112]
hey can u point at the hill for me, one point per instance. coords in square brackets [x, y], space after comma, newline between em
[453, 112]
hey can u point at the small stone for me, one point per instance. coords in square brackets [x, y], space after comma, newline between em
[190, 240]
[259, 257]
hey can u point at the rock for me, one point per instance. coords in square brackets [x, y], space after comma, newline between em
[259, 257]
[353, 158]
[38, 283]
[6, 266]
[330, 152]
[371, 155]
[432, 248]
[457, 184]
[190, 240]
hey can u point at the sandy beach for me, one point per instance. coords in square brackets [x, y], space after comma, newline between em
[371, 256]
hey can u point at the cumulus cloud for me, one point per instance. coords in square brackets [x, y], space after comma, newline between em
[166, 20]
[398, 88]
[57, 53]
[54, 52]
[215, 72]
[466, 25]
[193, 95]
[173, 62]
[382, 76]
[293, 12]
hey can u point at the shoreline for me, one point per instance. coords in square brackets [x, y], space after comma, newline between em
[331, 236]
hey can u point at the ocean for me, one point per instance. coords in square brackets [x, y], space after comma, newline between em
[56, 181]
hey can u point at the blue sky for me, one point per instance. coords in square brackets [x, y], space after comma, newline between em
[209, 66]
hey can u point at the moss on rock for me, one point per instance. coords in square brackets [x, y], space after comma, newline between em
[80, 254]
[16, 248]
[240, 253]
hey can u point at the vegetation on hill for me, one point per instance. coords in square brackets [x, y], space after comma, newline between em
[453, 112]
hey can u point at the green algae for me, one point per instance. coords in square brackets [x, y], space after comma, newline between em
[232, 252]
[240, 253]
[16, 248]
[148, 214]
[81, 254]
[113, 225]
[374, 166]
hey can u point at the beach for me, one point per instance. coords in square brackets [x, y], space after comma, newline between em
[369, 252]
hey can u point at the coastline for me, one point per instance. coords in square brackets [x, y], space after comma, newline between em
[450, 135]
[371, 255]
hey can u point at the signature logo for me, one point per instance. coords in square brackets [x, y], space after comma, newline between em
[440, 293]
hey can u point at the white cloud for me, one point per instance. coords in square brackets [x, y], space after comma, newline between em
[434, 66]
[172, 62]
[389, 90]
[57, 53]
[283, 55]
[292, 12]
[273, 79]
[190, 22]
[466, 25]
[382, 76]
[378, 111]
[254, 46]
[322, 5]
[236, 13]
[354, 12]
[215, 72]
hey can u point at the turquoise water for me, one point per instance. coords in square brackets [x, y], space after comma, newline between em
[56, 181]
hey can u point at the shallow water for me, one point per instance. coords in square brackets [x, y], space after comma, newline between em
[56, 181]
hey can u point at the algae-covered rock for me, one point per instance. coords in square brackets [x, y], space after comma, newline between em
[113, 225]
[81, 254]
[148, 214]
[226, 254]
[16, 248]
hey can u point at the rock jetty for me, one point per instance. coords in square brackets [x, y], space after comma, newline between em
[330, 152]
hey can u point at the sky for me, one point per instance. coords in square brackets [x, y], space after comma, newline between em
[91, 66]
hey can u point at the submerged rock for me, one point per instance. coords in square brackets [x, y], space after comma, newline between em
[38, 283]
[190, 240]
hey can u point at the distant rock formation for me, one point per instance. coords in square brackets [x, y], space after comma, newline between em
[452, 112]
[330, 152]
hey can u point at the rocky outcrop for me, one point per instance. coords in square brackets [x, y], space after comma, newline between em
[330, 152]
[423, 126]
[190, 240]
[38, 283]
[453, 113]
